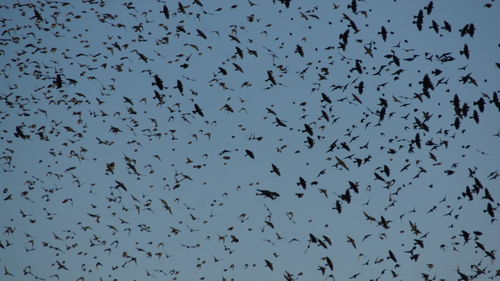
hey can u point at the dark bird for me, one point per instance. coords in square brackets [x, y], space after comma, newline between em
[352, 241]
[180, 86]
[249, 153]
[329, 262]
[270, 77]
[269, 264]
[383, 33]
[165, 12]
[198, 110]
[465, 51]
[275, 170]
[429, 7]
[158, 82]
[419, 20]
[302, 182]
[267, 193]
[299, 50]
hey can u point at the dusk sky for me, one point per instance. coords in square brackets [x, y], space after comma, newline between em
[249, 140]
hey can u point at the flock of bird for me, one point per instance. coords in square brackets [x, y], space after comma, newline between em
[250, 140]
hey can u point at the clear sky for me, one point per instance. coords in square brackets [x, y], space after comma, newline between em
[249, 140]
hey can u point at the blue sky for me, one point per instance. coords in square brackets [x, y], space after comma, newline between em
[65, 215]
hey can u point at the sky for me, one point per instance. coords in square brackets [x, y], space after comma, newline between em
[139, 140]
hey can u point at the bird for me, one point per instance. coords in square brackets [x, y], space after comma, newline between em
[198, 110]
[275, 170]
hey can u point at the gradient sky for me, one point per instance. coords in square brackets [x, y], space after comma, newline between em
[65, 217]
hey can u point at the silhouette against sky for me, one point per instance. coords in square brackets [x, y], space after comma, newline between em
[249, 140]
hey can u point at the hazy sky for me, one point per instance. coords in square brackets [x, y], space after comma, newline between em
[138, 140]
